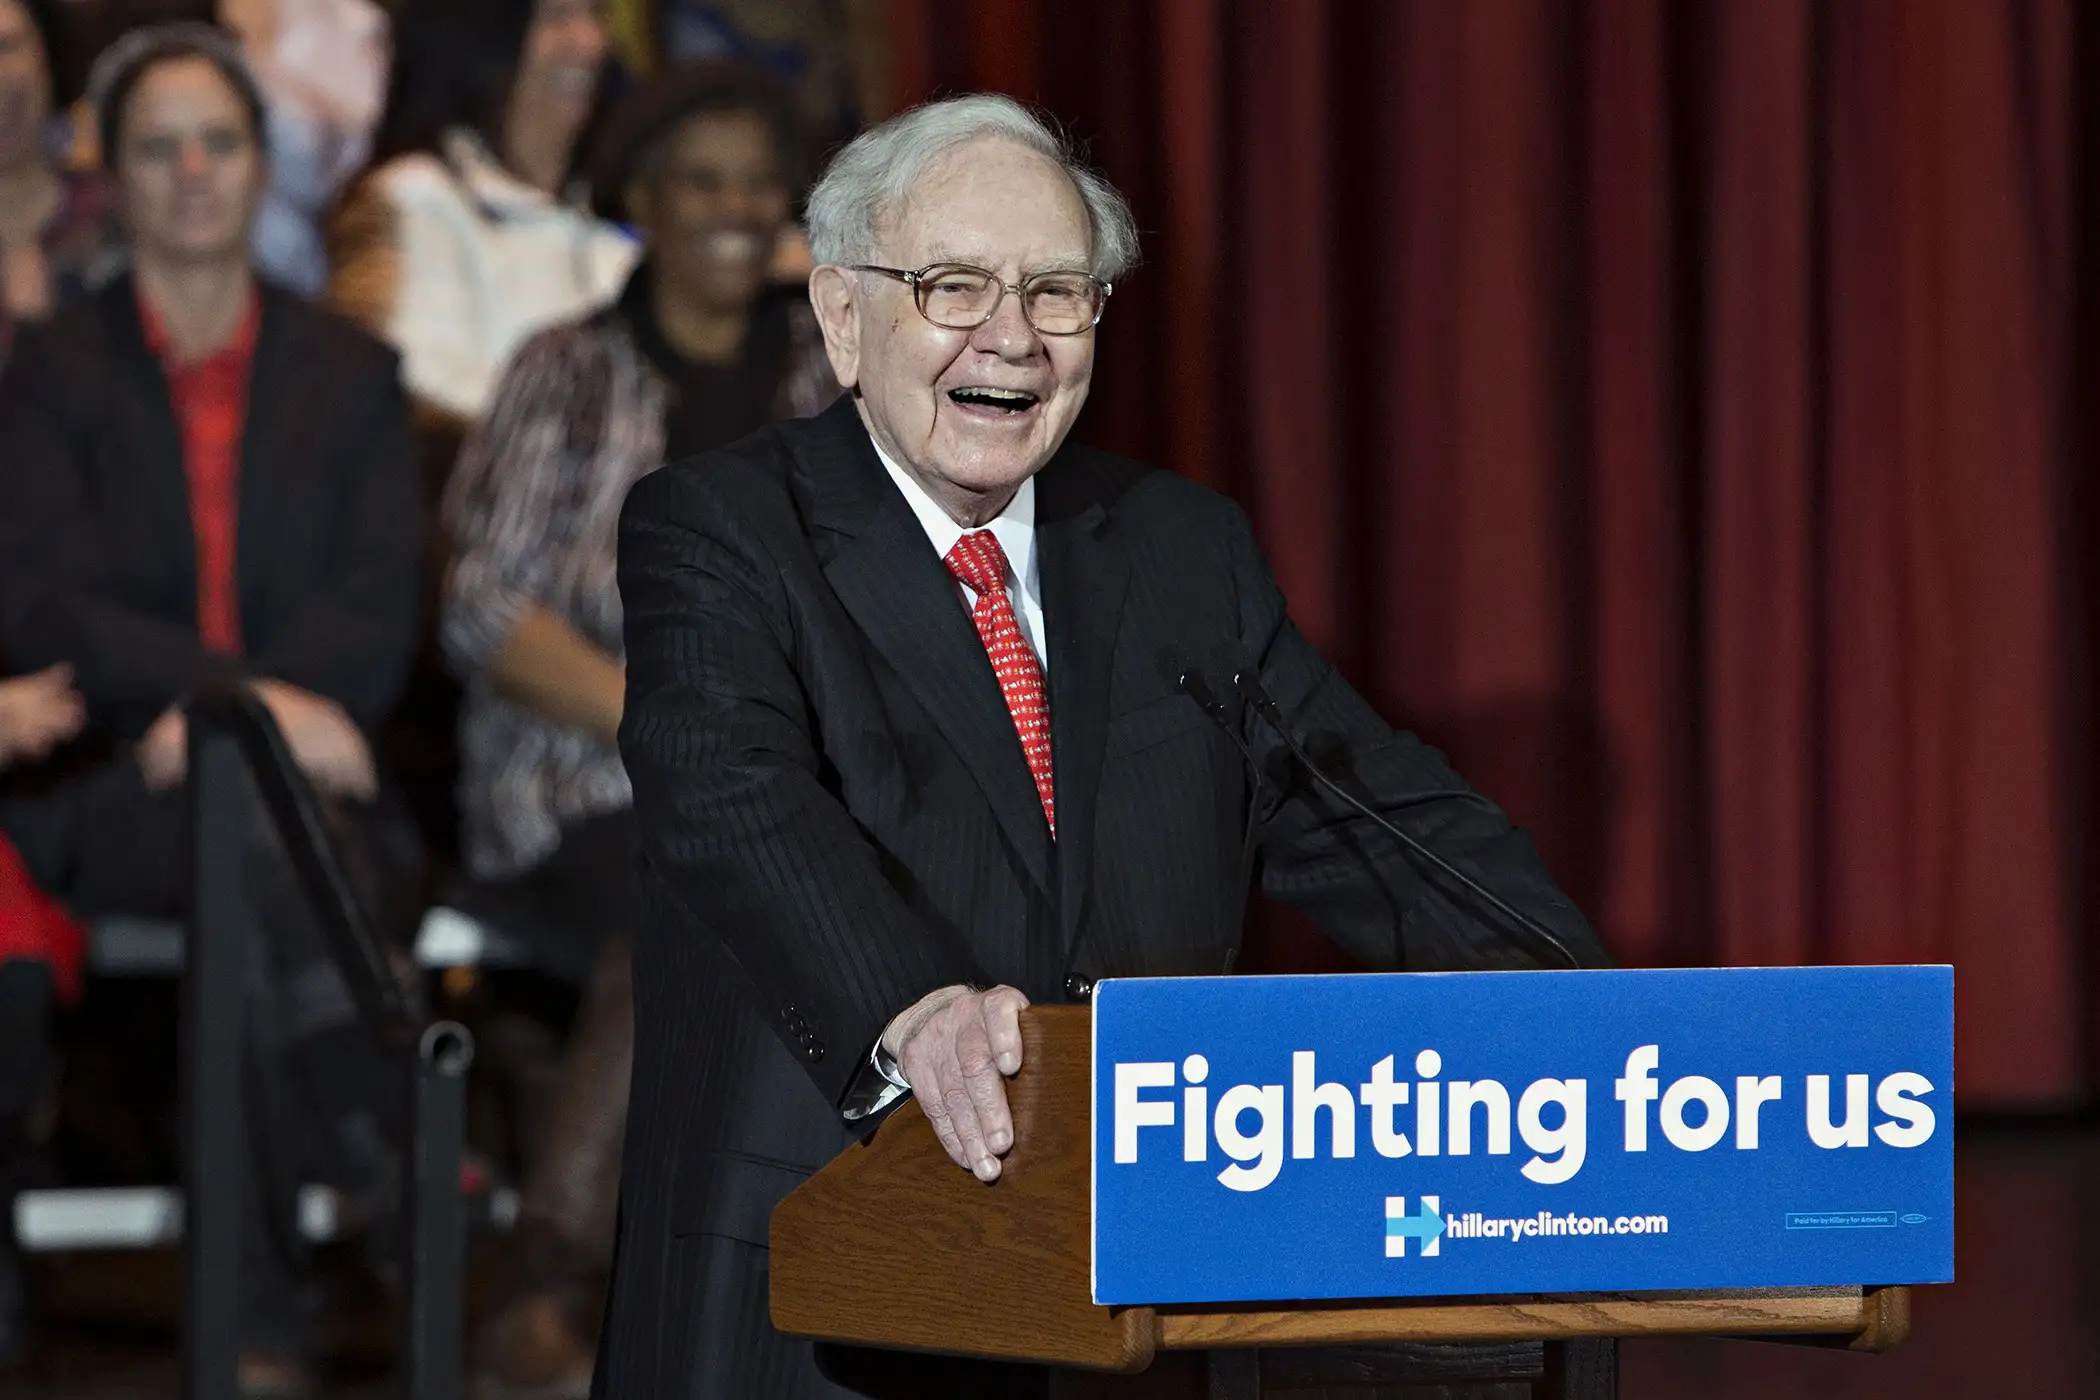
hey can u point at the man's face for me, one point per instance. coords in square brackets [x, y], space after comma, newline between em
[997, 206]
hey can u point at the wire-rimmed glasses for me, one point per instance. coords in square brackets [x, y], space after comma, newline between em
[961, 297]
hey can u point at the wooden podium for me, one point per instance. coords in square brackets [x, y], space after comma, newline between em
[892, 1245]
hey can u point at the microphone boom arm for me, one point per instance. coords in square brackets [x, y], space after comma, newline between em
[1251, 689]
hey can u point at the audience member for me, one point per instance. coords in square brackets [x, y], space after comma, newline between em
[39, 954]
[697, 352]
[206, 482]
[57, 241]
[466, 238]
[57, 227]
[322, 67]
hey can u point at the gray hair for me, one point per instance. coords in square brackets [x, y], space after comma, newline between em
[868, 181]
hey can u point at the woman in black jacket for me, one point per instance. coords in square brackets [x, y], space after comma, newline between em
[206, 483]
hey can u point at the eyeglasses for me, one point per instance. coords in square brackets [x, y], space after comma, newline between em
[962, 298]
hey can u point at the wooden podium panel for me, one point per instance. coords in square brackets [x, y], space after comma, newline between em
[1872, 1319]
[893, 1245]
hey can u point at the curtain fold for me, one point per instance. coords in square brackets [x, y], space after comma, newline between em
[1668, 409]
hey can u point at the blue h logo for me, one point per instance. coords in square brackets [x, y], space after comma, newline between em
[1400, 1227]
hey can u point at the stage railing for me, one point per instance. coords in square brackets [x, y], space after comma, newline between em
[237, 756]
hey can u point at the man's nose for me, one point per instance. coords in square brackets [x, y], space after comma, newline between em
[191, 157]
[1007, 332]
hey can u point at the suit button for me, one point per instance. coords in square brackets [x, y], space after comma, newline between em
[812, 1052]
[1078, 988]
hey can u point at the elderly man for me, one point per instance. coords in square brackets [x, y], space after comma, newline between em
[910, 744]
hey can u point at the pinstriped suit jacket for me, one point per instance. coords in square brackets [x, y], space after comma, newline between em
[837, 818]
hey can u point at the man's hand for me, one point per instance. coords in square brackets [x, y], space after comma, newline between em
[323, 739]
[38, 712]
[955, 1047]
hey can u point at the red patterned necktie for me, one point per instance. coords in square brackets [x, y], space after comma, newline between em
[979, 562]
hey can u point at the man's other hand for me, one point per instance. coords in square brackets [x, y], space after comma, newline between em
[956, 1048]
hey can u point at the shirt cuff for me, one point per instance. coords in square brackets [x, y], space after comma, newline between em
[878, 1084]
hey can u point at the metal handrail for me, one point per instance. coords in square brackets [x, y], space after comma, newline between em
[236, 755]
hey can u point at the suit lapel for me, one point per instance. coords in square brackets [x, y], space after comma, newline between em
[162, 477]
[1084, 571]
[273, 411]
[884, 572]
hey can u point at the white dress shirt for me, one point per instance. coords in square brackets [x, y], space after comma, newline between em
[882, 1083]
[1015, 527]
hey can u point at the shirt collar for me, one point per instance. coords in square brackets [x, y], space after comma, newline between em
[1014, 526]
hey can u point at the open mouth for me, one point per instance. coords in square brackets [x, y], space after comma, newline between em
[997, 400]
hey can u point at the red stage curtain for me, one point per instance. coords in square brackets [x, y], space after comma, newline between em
[1665, 407]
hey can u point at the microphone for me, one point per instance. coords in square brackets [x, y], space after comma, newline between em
[1192, 684]
[1251, 689]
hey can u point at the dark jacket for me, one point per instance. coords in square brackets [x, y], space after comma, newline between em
[836, 816]
[97, 554]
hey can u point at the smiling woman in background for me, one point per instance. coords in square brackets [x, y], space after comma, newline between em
[697, 352]
[462, 242]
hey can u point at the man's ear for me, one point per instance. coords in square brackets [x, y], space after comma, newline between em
[836, 300]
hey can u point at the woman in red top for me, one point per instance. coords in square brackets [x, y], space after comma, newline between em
[206, 482]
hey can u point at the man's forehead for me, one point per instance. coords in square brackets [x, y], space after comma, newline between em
[990, 203]
[981, 254]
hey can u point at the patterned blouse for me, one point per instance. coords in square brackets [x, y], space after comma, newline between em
[583, 412]
[83, 247]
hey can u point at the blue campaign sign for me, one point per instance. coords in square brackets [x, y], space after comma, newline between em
[1272, 1138]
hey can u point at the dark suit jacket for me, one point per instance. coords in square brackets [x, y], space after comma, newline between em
[836, 816]
[97, 555]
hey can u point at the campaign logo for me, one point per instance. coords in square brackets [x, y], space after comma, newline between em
[1400, 1227]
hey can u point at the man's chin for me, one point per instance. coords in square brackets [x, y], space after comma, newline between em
[991, 476]
[993, 457]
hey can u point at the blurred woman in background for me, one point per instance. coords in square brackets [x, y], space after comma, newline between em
[206, 482]
[698, 351]
[463, 241]
[57, 227]
[57, 241]
[40, 956]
